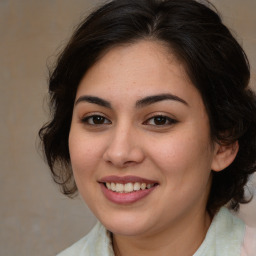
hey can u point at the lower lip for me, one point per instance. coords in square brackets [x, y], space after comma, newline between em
[125, 198]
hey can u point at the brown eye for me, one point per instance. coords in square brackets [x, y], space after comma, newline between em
[96, 120]
[160, 121]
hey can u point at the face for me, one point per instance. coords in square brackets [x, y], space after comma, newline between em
[140, 142]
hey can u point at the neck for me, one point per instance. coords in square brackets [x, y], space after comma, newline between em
[180, 239]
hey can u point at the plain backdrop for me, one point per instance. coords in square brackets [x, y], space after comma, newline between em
[35, 218]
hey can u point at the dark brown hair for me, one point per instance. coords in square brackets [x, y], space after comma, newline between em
[214, 61]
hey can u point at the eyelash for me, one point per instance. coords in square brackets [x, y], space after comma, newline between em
[164, 120]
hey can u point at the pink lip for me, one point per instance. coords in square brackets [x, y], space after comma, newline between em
[125, 198]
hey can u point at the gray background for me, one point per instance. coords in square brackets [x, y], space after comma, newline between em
[35, 218]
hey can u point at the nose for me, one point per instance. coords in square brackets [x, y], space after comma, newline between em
[124, 148]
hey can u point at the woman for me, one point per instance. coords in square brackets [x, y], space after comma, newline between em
[153, 122]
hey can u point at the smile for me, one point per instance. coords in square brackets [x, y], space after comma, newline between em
[128, 187]
[126, 190]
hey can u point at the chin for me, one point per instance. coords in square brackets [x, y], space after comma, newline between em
[126, 226]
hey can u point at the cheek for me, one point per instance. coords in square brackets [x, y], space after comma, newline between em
[84, 153]
[183, 156]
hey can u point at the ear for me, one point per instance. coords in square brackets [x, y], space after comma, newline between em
[224, 155]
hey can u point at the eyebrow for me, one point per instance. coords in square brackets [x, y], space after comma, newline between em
[94, 100]
[139, 104]
[160, 97]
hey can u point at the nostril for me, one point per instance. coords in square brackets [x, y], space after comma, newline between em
[129, 163]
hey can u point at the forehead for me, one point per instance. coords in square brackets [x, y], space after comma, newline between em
[138, 70]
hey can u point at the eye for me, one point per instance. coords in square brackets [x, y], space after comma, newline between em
[96, 120]
[160, 120]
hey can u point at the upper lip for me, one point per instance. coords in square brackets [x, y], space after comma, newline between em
[126, 179]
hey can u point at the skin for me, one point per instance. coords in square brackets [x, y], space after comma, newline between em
[178, 154]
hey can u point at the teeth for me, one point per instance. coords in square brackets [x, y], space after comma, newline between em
[108, 185]
[150, 185]
[128, 187]
[113, 186]
[119, 187]
[143, 186]
[136, 186]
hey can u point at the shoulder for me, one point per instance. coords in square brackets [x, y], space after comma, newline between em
[232, 235]
[224, 237]
[97, 242]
